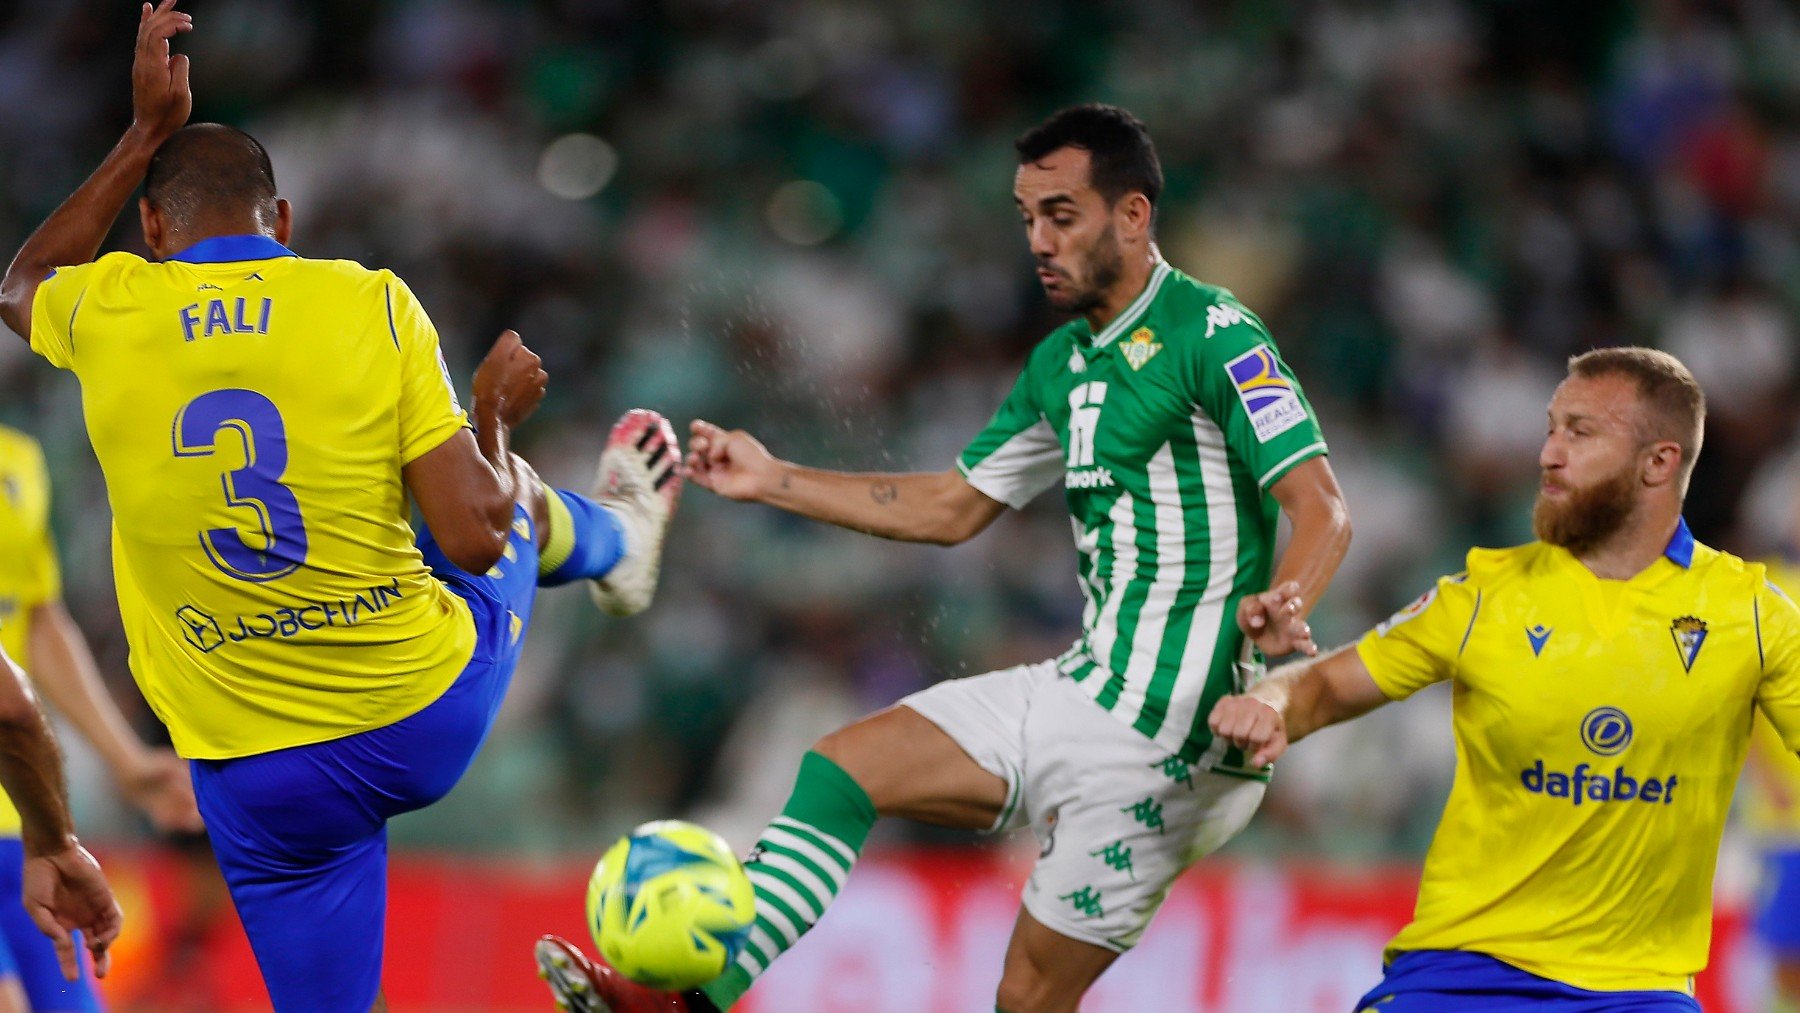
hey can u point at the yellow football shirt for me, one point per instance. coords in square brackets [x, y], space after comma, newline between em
[29, 576]
[251, 411]
[1600, 728]
[1772, 805]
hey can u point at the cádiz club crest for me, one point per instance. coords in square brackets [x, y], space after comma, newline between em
[1689, 634]
[1140, 348]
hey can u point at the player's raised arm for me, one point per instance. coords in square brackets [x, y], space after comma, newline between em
[937, 507]
[467, 486]
[1314, 505]
[160, 104]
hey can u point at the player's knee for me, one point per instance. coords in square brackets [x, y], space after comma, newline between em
[1023, 989]
[842, 747]
[858, 755]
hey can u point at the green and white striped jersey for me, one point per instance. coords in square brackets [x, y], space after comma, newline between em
[1167, 429]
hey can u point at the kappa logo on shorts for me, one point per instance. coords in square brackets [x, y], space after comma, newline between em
[1117, 857]
[1147, 811]
[1085, 901]
[1177, 770]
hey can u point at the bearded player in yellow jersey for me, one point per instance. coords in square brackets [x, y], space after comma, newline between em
[1605, 678]
[263, 421]
[37, 629]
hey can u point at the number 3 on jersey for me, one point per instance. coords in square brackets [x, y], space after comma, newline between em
[1084, 418]
[277, 543]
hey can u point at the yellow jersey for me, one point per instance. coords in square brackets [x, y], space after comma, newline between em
[1600, 729]
[29, 575]
[251, 411]
[1772, 806]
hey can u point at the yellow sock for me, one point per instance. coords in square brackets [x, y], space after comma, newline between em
[559, 540]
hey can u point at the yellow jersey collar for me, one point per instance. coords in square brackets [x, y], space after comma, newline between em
[232, 249]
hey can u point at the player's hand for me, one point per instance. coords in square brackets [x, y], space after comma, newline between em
[66, 892]
[161, 99]
[1251, 725]
[1274, 621]
[159, 785]
[733, 464]
[511, 381]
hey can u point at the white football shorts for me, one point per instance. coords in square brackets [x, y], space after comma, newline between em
[1118, 818]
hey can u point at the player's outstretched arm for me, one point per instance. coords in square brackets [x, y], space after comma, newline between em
[1295, 701]
[937, 507]
[1276, 619]
[64, 889]
[160, 104]
[466, 487]
[63, 670]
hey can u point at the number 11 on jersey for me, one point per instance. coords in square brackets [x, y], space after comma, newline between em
[1084, 418]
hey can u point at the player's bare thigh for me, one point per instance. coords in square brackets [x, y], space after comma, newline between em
[911, 769]
[1046, 971]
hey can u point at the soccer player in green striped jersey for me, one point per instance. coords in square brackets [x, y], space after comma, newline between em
[1179, 435]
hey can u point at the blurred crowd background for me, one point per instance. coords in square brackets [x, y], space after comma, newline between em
[794, 216]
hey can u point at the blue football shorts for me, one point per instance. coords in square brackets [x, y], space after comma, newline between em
[301, 833]
[1778, 916]
[1435, 981]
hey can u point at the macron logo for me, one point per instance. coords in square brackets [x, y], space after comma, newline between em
[1539, 636]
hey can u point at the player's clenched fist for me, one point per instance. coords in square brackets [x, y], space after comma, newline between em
[160, 96]
[1252, 725]
[510, 381]
[733, 464]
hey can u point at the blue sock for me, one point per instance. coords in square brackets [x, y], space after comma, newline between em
[585, 540]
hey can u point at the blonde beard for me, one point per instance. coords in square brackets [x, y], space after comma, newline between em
[1590, 515]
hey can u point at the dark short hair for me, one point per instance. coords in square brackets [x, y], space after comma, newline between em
[1122, 159]
[1677, 405]
[210, 168]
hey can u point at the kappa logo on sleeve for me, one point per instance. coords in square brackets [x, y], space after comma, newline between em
[1269, 396]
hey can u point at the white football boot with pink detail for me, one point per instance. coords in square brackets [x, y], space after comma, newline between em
[640, 481]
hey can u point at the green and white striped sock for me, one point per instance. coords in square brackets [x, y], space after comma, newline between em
[798, 867]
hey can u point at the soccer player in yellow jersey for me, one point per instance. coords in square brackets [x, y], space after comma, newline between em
[1605, 677]
[1773, 809]
[36, 628]
[262, 421]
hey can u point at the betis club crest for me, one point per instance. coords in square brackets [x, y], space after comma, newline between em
[1141, 347]
[1690, 634]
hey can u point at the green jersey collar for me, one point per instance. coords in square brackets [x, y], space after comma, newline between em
[1130, 313]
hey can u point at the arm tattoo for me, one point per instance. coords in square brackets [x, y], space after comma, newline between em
[883, 493]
